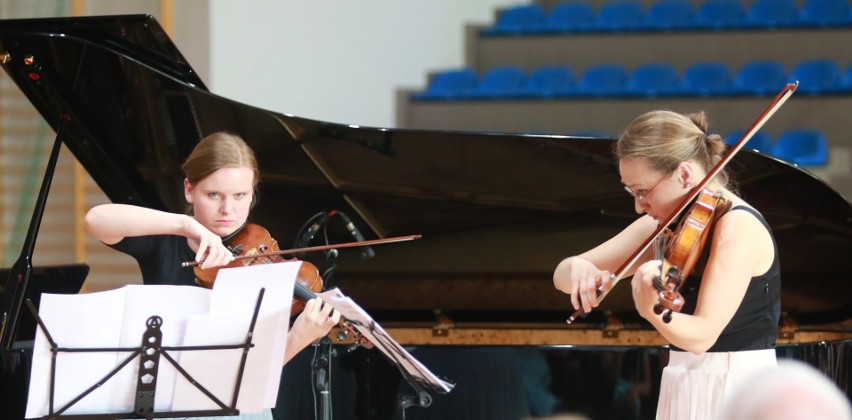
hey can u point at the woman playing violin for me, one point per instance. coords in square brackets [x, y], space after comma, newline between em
[220, 188]
[729, 322]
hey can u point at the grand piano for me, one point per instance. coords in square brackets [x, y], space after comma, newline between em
[496, 211]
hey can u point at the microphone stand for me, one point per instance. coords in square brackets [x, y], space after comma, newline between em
[322, 356]
[321, 373]
[323, 350]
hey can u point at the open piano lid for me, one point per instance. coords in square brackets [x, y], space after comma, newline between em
[496, 211]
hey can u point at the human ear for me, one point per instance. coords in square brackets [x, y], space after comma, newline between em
[187, 191]
[685, 174]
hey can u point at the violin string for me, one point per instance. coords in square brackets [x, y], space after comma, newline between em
[659, 253]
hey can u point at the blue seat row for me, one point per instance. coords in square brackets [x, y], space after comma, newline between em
[802, 146]
[667, 15]
[707, 78]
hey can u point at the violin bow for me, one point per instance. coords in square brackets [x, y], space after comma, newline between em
[770, 109]
[317, 248]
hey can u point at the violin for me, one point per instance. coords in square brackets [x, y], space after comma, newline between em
[670, 298]
[253, 244]
[679, 249]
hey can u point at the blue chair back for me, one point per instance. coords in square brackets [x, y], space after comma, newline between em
[772, 14]
[549, 82]
[574, 16]
[824, 13]
[720, 14]
[666, 15]
[846, 80]
[706, 78]
[499, 82]
[652, 79]
[760, 141]
[760, 78]
[449, 85]
[620, 15]
[817, 76]
[603, 80]
[518, 20]
[803, 147]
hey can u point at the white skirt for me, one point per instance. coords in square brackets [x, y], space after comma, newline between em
[694, 386]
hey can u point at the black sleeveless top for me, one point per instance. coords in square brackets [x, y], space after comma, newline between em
[755, 324]
[159, 258]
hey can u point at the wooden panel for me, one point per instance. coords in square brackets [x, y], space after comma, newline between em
[25, 142]
[558, 336]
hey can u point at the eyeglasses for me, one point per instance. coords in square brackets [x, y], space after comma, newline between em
[642, 193]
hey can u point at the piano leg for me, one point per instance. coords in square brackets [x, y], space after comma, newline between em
[15, 365]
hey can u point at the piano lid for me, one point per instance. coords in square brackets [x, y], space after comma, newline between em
[496, 211]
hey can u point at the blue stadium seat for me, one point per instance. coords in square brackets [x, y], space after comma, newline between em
[760, 141]
[816, 76]
[448, 85]
[549, 82]
[667, 15]
[620, 15]
[706, 78]
[516, 20]
[772, 14]
[573, 16]
[803, 147]
[824, 13]
[652, 79]
[602, 80]
[846, 80]
[760, 78]
[720, 14]
[499, 83]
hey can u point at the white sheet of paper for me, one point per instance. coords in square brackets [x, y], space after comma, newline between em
[99, 320]
[88, 328]
[234, 296]
[374, 332]
[215, 370]
[191, 316]
[174, 304]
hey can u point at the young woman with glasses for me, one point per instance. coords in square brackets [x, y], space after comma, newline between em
[729, 323]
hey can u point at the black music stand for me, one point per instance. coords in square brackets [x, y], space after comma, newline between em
[418, 376]
[149, 353]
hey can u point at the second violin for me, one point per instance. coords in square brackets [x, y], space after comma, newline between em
[679, 249]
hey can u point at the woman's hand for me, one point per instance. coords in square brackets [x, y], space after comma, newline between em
[315, 321]
[581, 279]
[211, 251]
[645, 295]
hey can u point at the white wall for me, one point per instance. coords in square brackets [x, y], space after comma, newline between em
[336, 60]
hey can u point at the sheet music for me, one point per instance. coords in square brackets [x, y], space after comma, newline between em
[191, 316]
[231, 306]
[374, 332]
[98, 320]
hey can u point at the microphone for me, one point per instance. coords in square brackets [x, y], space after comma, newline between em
[366, 251]
[312, 230]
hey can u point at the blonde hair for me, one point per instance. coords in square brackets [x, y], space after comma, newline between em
[220, 150]
[667, 138]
